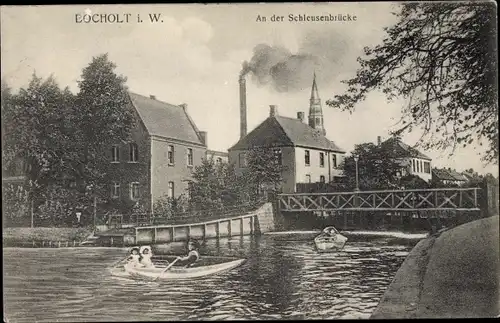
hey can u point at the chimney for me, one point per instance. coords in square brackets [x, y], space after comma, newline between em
[152, 97]
[300, 116]
[379, 140]
[203, 135]
[184, 106]
[243, 107]
[273, 110]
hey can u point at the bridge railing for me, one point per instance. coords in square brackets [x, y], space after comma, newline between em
[465, 199]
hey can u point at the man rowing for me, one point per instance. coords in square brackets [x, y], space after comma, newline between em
[192, 256]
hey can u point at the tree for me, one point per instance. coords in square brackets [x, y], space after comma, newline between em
[377, 168]
[101, 116]
[33, 132]
[442, 57]
[264, 168]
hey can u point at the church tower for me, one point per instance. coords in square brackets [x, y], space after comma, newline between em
[315, 110]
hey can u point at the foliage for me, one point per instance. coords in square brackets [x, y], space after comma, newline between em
[62, 137]
[168, 207]
[15, 204]
[264, 169]
[411, 181]
[35, 131]
[102, 117]
[208, 185]
[377, 168]
[442, 57]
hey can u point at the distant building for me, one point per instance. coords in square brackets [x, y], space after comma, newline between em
[166, 145]
[306, 154]
[218, 156]
[448, 176]
[412, 161]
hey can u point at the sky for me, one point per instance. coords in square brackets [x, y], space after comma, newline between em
[194, 55]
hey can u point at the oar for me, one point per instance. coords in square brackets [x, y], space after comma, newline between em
[167, 268]
[116, 263]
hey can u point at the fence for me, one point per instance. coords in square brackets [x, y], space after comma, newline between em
[194, 216]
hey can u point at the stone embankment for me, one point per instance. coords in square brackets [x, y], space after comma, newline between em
[453, 274]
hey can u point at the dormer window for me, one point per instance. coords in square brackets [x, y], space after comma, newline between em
[134, 152]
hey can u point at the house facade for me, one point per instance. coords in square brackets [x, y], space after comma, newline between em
[218, 156]
[159, 160]
[448, 176]
[412, 161]
[303, 150]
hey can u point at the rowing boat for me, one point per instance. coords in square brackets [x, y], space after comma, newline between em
[330, 240]
[182, 272]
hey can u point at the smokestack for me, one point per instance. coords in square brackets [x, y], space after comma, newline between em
[379, 140]
[273, 110]
[300, 116]
[243, 107]
[152, 97]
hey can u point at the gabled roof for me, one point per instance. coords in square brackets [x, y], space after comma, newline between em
[165, 120]
[401, 149]
[281, 131]
[448, 175]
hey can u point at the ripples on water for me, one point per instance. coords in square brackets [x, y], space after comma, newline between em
[283, 278]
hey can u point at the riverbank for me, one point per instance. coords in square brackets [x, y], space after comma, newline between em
[44, 236]
[450, 275]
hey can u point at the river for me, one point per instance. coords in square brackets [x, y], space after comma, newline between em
[283, 278]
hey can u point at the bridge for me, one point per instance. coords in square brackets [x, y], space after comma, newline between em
[440, 199]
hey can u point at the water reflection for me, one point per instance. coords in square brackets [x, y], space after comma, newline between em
[283, 278]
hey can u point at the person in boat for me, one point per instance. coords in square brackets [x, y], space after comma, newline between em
[193, 255]
[330, 232]
[134, 258]
[145, 257]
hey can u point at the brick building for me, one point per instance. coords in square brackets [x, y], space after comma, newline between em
[166, 145]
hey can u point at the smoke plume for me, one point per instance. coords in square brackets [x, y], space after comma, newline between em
[285, 71]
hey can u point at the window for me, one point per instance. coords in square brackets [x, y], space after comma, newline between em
[334, 160]
[190, 157]
[308, 178]
[115, 190]
[170, 155]
[242, 160]
[418, 166]
[321, 159]
[413, 164]
[277, 155]
[134, 152]
[134, 191]
[115, 154]
[219, 160]
[171, 189]
[427, 167]
[421, 167]
[307, 158]
[322, 179]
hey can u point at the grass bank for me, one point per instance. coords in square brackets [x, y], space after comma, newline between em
[44, 234]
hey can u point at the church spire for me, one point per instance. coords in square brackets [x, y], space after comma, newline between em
[315, 110]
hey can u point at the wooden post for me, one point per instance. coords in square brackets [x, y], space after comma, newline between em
[229, 228]
[188, 232]
[173, 234]
[217, 229]
[95, 212]
[204, 230]
[32, 210]
[241, 227]
[155, 233]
